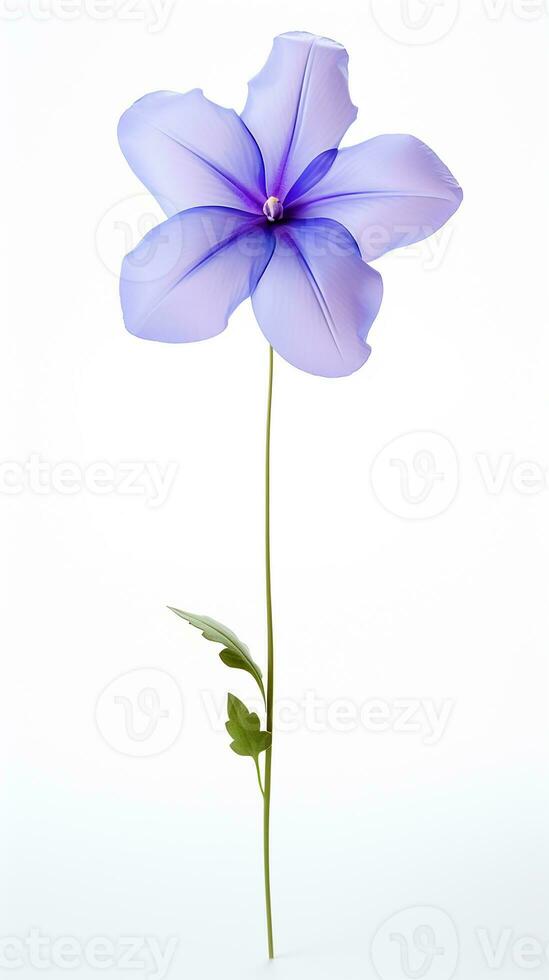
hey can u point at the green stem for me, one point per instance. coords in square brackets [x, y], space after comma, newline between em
[270, 664]
[258, 771]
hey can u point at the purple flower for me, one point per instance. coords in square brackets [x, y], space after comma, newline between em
[265, 205]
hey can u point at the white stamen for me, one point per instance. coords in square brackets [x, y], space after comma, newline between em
[272, 209]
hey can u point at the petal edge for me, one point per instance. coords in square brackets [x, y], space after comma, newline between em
[317, 299]
[190, 152]
[388, 192]
[187, 275]
[298, 106]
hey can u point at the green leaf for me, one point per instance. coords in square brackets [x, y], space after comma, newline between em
[235, 652]
[243, 727]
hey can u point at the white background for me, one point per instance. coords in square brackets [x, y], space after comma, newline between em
[389, 584]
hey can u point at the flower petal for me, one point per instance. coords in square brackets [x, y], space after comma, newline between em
[188, 274]
[390, 191]
[310, 176]
[317, 299]
[190, 152]
[298, 106]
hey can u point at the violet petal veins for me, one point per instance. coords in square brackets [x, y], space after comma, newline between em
[230, 183]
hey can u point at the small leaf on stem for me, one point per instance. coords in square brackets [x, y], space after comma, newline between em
[244, 728]
[235, 653]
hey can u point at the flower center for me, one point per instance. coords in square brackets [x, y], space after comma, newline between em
[272, 209]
